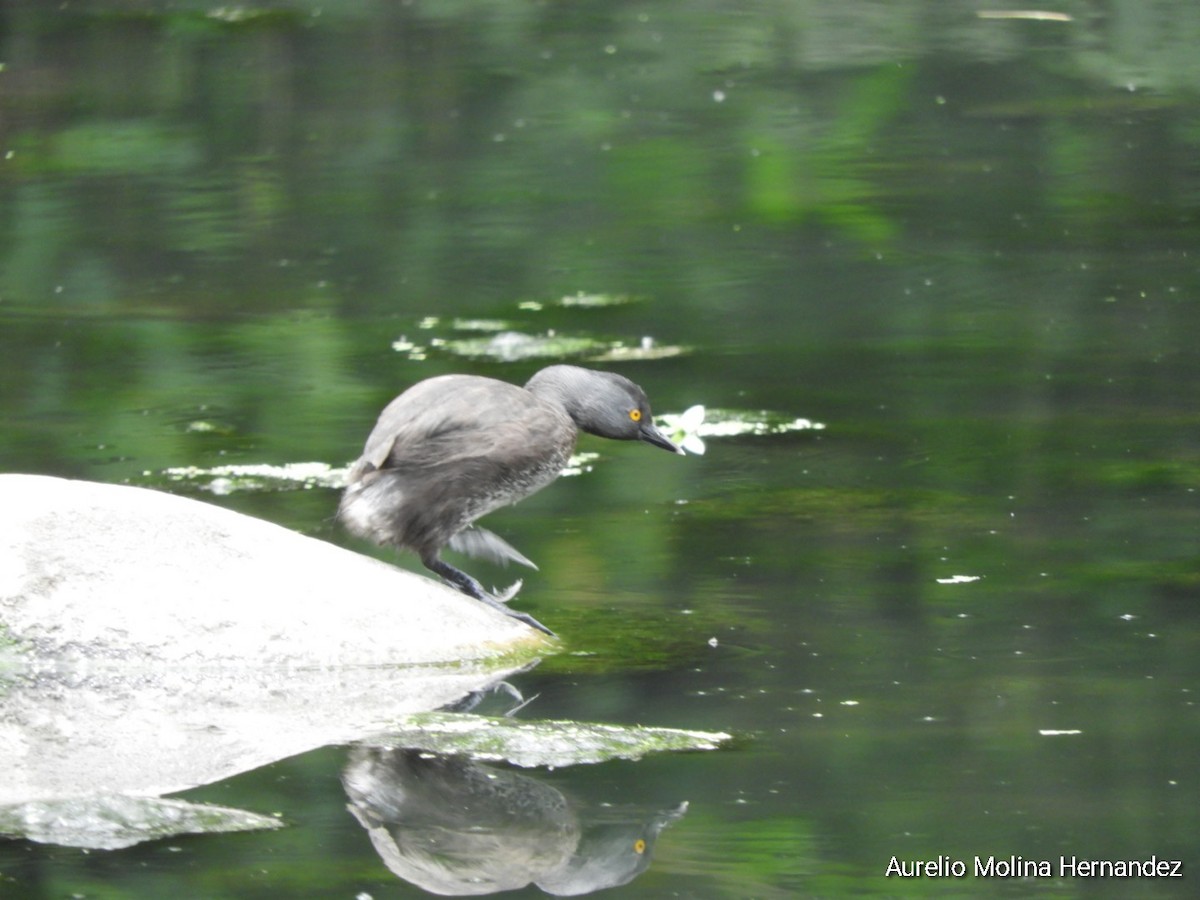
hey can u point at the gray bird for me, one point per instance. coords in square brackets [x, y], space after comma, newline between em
[451, 449]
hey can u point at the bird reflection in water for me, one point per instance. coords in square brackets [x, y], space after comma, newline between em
[456, 827]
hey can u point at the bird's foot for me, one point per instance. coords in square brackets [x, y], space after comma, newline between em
[473, 699]
[526, 618]
[498, 603]
[518, 696]
[472, 588]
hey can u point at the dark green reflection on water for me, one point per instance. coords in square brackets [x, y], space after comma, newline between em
[965, 244]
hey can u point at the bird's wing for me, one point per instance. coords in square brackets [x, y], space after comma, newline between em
[483, 544]
[455, 417]
[419, 426]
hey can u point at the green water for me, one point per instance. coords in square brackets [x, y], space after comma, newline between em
[966, 245]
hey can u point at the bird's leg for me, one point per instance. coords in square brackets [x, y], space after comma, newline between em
[456, 578]
[462, 581]
[473, 699]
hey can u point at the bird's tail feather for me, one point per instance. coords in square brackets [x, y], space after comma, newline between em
[483, 544]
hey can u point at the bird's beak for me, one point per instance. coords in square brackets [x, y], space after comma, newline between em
[652, 434]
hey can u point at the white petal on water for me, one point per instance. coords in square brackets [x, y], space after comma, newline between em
[691, 417]
[684, 428]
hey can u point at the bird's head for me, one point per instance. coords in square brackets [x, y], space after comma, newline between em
[601, 403]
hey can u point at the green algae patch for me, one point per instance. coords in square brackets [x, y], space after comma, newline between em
[117, 821]
[551, 743]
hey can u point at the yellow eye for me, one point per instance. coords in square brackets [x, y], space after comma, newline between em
[639, 846]
[636, 415]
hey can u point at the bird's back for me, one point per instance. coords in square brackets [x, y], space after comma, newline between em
[448, 451]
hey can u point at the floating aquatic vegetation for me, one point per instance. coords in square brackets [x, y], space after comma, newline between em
[646, 349]
[513, 346]
[115, 821]
[414, 350]
[510, 346]
[224, 480]
[505, 346]
[480, 324]
[465, 324]
[541, 743]
[580, 463]
[734, 423]
[580, 298]
[688, 429]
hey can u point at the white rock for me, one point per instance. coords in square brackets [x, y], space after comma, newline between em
[112, 572]
[150, 643]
